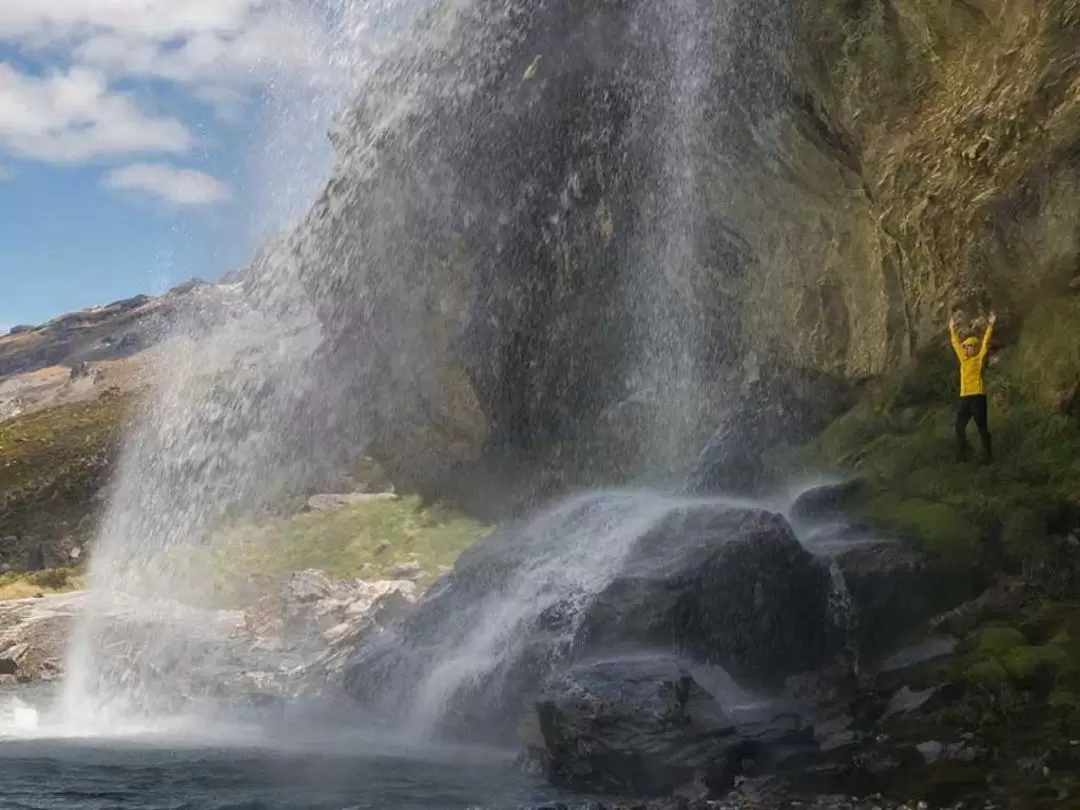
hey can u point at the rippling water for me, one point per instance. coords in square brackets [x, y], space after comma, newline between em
[244, 768]
[98, 775]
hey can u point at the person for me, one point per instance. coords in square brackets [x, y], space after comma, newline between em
[972, 356]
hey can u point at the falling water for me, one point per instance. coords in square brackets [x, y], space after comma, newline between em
[665, 258]
[236, 418]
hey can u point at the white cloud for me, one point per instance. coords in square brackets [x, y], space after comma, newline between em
[173, 185]
[73, 116]
[5, 175]
[215, 52]
[55, 20]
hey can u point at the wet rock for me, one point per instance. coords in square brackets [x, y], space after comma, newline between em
[727, 586]
[784, 405]
[635, 727]
[1003, 599]
[826, 502]
[906, 700]
[896, 591]
[405, 570]
[916, 654]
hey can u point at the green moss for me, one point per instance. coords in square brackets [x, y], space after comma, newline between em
[999, 640]
[1026, 663]
[987, 674]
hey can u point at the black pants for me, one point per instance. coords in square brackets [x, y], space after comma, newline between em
[972, 408]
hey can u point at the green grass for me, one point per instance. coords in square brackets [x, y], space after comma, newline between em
[53, 464]
[1004, 516]
[39, 583]
[360, 541]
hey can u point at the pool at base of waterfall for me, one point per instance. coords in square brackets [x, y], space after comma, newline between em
[113, 774]
[173, 765]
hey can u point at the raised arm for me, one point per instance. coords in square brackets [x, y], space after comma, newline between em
[954, 336]
[985, 348]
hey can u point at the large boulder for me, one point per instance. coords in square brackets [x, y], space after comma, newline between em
[598, 573]
[783, 406]
[641, 727]
[728, 586]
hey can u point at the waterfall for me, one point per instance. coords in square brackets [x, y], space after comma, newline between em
[582, 288]
[237, 416]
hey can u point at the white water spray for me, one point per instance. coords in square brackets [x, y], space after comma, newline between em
[235, 419]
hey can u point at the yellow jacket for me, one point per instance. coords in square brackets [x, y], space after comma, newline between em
[971, 368]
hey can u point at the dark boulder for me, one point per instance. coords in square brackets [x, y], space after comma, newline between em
[641, 727]
[896, 591]
[728, 586]
[600, 573]
[784, 406]
[831, 501]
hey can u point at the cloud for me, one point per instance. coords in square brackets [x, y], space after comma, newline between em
[57, 20]
[5, 175]
[73, 116]
[185, 187]
[216, 52]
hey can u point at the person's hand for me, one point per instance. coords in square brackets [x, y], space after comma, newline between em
[993, 318]
[952, 321]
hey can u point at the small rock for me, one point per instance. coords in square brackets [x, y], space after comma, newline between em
[906, 700]
[406, 570]
[382, 547]
[932, 750]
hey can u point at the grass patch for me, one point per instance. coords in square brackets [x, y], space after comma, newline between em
[39, 583]
[361, 541]
[53, 464]
[1009, 515]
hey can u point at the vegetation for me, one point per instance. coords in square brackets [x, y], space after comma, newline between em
[39, 583]
[53, 465]
[1013, 515]
[362, 541]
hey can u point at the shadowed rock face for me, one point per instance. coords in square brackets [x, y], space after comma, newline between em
[481, 259]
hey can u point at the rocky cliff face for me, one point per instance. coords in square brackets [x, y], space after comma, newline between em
[485, 256]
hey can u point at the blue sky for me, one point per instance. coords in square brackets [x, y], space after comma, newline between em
[133, 153]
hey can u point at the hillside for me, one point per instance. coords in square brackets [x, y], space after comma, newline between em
[66, 387]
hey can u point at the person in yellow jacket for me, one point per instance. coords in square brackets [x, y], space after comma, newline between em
[972, 355]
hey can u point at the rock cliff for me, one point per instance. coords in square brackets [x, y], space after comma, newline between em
[495, 252]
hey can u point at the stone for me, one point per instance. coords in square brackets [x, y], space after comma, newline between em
[825, 502]
[731, 587]
[306, 586]
[906, 700]
[640, 727]
[785, 406]
[896, 591]
[405, 570]
[920, 653]
[728, 586]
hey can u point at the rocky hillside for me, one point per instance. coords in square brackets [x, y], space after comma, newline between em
[65, 389]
